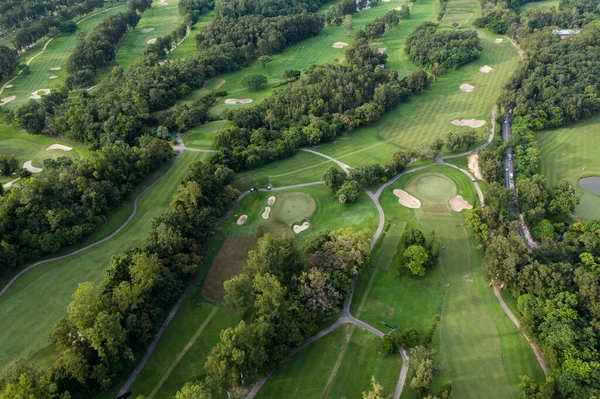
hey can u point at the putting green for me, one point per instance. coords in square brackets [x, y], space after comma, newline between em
[434, 190]
[294, 207]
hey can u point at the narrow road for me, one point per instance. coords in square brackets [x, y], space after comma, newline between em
[180, 146]
[100, 241]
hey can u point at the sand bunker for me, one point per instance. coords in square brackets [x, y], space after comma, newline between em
[53, 77]
[497, 41]
[458, 203]
[10, 183]
[6, 100]
[152, 41]
[381, 50]
[467, 88]
[271, 200]
[299, 228]
[406, 199]
[397, 8]
[265, 214]
[474, 166]
[473, 123]
[55, 68]
[27, 165]
[163, 3]
[8, 86]
[485, 69]
[339, 45]
[58, 147]
[242, 220]
[36, 94]
[147, 30]
[238, 100]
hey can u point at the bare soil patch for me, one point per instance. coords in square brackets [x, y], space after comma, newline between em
[238, 100]
[472, 123]
[485, 69]
[407, 200]
[458, 203]
[242, 220]
[6, 100]
[474, 166]
[299, 228]
[36, 95]
[229, 262]
[340, 44]
[467, 88]
[265, 214]
[27, 165]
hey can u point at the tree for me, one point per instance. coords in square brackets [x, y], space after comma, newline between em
[436, 70]
[348, 24]
[195, 390]
[415, 259]
[263, 60]
[453, 142]
[8, 61]
[334, 178]
[238, 292]
[290, 74]
[436, 147]
[421, 382]
[348, 192]
[254, 80]
[562, 198]
[412, 237]
[162, 132]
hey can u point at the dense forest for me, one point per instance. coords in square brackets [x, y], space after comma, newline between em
[267, 8]
[71, 200]
[8, 61]
[430, 47]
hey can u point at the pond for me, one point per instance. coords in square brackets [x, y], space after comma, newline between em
[591, 183]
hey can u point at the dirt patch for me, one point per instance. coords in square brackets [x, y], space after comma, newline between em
[152, 41]
[381, 50]
[55, 68]
[238, 100]
[467, 88]
[6, 100]
[58, 147]
[497, 41]
[27, 165]
[53, 77]
[472, 123]
[458, 203]
[229, 262]
[265, 214]
[474, 166]
[147, 30]
[485, 69]
[407, 200]
[299, 228]
[271, 200]
[242, 220]
[340, 44]
[36, 95]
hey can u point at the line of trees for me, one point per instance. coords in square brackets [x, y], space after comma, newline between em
[267, 8]
[8, 61]
[109, 324]
[415, 254]
[69, 201]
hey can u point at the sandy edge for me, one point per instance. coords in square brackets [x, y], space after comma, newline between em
[265, 214]
[299, 228]
[407, 200]
[242, 220]
[36, 94]
[27, 165]
[339, 45]
[271, 200]
[458, 203]
[473, 160]
[238, 100]
[472, 123]
[6, 100]
[58, 147]
[485, 69]
[467, 88]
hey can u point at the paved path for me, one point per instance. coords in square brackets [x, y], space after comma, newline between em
[511, 316]
[100, 241]
[180, 146]
[342, 165]
[403, 374]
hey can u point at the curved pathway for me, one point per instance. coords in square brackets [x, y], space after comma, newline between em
[180, 146]
[100, 241]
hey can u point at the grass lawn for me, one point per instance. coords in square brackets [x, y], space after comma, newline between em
[537, 4]
[203, 136]
[39, 298]
[461, 12]
[570, 153]
[56, 55]
[188, 47]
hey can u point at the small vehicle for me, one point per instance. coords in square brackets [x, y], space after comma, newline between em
[510, 111]
[268, 187]
[506, 170]
[510, 157]
[511, 176]
[473, 180]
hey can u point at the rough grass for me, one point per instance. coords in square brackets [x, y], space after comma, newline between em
[38, 299]
[538, 4]
[203, 136]
[56, 55]
[188, 47]
[571, 153]
[461, 12]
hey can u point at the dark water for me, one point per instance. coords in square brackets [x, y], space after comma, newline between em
[591, 183]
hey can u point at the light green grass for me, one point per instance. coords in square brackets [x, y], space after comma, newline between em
[570, 153]
[188, 47]
[461, 12]
[428, 116]
[56, 55]
[38, 299]
[538, 4]
[203, 136]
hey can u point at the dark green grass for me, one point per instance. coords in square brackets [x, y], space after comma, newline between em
[188, 47]
[390, 239]
[461, 12]
[538, 4]
[38, 299]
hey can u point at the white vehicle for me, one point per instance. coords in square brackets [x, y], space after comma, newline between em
[510, 157]
[511, 176]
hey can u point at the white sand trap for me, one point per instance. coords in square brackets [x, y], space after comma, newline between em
[163, 3]
[485, 69]
[381, 50]
[55, 68]
[10, 183]
[27, 165]
[238, 100]
[271, 200]
[386, 1]
[406, 199]
[147, 30]
[473, 123]
[299, 228]
[265, 214]
[152, 41]
[242, 220]
[8, 86]
[467, 88]
[36, 94]
[58, 147]
[339, 45]
[6, 100]
[474, 166]
[458, 203]
[53, 77]
[497, 41]
[397, 8]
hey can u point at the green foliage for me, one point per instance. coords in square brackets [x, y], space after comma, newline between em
[415, 259]
[393, 341]
[348, 192]
[254, 81]
[542, 230]
[429, 335]
[333, 179]
[8, 61]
